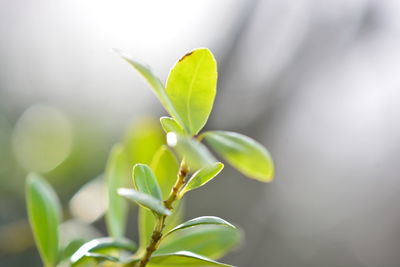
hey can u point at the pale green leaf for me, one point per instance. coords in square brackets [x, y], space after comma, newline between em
[44, 212]
[204, 220]
[142, 139]
[243, 153]
[183, 258]
[201, 177]
[170, 125]
[155, 84]
[144, 200]
[196, 155]
[116, 176]
[145, 181]
[165, 167]
[191, 86]
[212, 241]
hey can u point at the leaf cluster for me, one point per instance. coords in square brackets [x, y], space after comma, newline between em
[158, 186]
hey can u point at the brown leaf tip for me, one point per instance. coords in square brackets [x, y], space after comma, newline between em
[186, 55]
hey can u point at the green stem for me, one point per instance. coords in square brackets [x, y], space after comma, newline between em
[160, 225]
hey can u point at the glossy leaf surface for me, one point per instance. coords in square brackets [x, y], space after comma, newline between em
[116, 177]
[204, 220]
[144, 200]
[94, 247]
[145, 181]
[201, 177]
[170, 125]
[195, 153]
[212, 241]
[243, 153]
[191, 86]
[183, 258]
[44, 212]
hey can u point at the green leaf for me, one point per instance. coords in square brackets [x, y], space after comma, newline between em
[93, 248]
[44, 212]
[243, 153]
[116, 177]
[165, 167]
[145, 181]
[195, 153]
[155, 84]
[201, 177]
[183, 258]
[142, 140]
[212, 241]
[144, 200]
[170, 125]
[204, 220]
[191, 86]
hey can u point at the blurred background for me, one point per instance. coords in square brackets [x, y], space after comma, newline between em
[317, 82]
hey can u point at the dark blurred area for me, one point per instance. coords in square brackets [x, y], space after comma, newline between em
[315, 81]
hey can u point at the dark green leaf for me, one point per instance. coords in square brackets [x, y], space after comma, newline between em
[183, 258]
[155, 84]
[44, 212]
[116, 177]
[201, 177]
[243, 153]
[212, 241]
[170, 125]
[191, 86]
[144, 200]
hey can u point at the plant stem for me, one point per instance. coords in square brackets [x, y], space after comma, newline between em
[160, 225]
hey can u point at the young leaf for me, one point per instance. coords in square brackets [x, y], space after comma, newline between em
[205, 220]
[144, 200]
[201, 177]
[102, 245]
[44, 212]
[165, 167]
[243, 153]
[191, 86]
[170, 125]
[155, 84]
[142, 140]
[116, 177]
[183, 258]
[212, 241]
[195, 153]
[145, 181]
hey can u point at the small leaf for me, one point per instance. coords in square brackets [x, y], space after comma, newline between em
[44, 212]
[183, 258]
[195, 153]
[201, 177]
[102, 245]
[116, 177]
[170, 125]
[142, 140]
[144, 200]
[165, 167]
[243, 153]
[205, 220]
[191, 86]
[145, 181]
[155, 84]
[212, 241]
